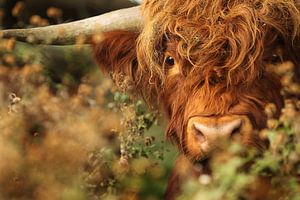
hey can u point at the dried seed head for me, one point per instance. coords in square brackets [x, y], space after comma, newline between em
[123, 162]
[85, 89]
[55, 13]
[270, 110]
[9, 59]
[272, 123]
[44, 22]
[10, 44]
[284, 68]
[294, 88]
[280, 138]
[2, 13]
[149, 140]
[35, 20]
[298, 104]
[81, 40]
[13, 100]
[97, 38]
[18, 9]
[286, 80]
[204, 179]
[289, 110]
[264, 134]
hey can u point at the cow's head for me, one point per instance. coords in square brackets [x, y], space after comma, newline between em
[211, 59]
[206, 63]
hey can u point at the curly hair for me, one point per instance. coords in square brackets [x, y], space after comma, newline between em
[222, 51]
[222, 39]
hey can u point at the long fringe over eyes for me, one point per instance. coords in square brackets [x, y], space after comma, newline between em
[223, 38]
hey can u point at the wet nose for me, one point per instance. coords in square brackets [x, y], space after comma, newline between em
[214, 129]
[206, 132]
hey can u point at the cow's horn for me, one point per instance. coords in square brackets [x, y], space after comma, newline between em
[124, 19]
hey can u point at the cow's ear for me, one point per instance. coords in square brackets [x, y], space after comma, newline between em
[115, 53]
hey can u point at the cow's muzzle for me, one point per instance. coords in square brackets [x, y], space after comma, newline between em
[205, 133]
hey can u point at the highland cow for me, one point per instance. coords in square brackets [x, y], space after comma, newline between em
[206, 63]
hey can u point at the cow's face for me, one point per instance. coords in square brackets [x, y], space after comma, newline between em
[207, 64]
[204, 109]
[213, 57]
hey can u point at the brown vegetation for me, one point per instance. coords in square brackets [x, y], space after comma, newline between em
[207, 64]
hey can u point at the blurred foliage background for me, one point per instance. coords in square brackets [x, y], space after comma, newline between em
[67, 133]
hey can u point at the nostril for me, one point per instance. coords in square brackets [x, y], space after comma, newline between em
[222, 129]
[235, 132]
[198, 133]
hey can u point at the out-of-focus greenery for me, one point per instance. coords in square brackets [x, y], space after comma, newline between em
[239, 172]
[67, 133]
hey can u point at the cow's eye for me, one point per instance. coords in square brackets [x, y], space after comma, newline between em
[170, 61]
[275, 58]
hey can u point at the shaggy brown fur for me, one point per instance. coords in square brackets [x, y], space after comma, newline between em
[220, 51]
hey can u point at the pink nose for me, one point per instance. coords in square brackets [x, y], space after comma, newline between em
[218, 130]
[205, 133]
